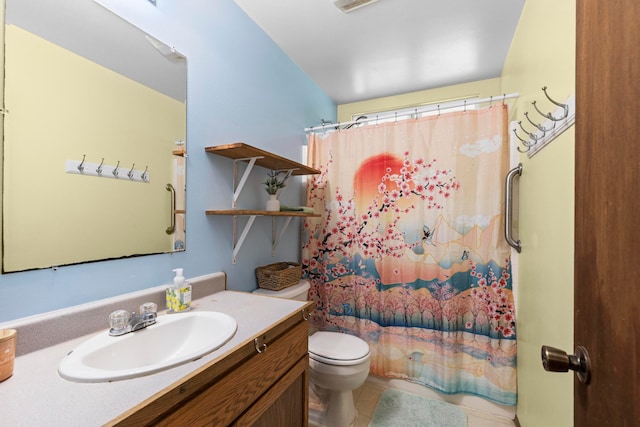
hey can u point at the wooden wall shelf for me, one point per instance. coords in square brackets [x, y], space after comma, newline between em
[245, 152]
[249, 212]
[241, 152]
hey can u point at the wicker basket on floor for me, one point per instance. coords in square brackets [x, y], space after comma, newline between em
[279, 275]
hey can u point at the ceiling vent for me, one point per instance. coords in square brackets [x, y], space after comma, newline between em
[350, 5]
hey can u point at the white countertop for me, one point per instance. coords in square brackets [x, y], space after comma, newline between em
[37, 396]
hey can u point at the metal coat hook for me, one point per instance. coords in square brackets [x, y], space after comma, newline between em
[130, 173]
[438, 110]
[531, 135]
[527, 144]
[539, 127]
[465, 106]
[565, 108]
[115, 171]
[144, 175]
[99, 168]
[490, 101]
[81, 165]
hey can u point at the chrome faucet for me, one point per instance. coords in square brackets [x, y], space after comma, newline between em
[122, 322]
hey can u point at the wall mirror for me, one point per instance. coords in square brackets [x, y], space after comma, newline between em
[94, 128]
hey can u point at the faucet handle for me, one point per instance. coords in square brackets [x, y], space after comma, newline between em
[148, 307]
[118, 320]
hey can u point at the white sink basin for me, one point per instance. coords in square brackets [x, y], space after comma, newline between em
[174, 339]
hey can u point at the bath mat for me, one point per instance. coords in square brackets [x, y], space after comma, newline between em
[402, 409]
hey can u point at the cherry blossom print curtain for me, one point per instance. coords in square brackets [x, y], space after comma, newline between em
[409, 253]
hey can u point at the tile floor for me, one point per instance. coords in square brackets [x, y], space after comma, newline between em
[366, 398]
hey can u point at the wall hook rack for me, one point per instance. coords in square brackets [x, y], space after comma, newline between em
[555, 122]
[100, 170]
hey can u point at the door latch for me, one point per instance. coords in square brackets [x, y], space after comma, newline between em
[556, 360]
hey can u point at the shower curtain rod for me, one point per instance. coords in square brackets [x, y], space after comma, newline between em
[440, 107]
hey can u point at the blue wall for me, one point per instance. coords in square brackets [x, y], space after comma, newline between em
[241, 87]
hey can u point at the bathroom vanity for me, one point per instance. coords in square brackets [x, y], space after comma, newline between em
[262, 383]
[258, 378]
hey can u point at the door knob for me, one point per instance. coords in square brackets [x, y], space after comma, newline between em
[556, 360]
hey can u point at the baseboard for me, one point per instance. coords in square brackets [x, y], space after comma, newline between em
[516, 421]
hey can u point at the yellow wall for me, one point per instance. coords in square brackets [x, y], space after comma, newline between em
[543, 54]
[51, 122]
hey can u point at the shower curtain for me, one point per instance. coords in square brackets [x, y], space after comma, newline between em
[409, 253]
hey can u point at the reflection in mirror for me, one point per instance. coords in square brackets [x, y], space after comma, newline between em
[83, 84]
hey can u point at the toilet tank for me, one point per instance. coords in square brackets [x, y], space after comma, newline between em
[298, 291]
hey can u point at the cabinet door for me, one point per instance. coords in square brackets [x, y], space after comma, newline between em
[285, 404]
[228, 398]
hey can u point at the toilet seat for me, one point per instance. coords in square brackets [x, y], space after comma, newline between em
[335, 348]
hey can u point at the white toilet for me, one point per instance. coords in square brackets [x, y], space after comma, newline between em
[338, 364]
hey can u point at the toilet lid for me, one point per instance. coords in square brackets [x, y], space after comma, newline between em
[337, 348]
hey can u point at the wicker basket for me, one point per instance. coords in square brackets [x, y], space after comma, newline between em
[279, 275]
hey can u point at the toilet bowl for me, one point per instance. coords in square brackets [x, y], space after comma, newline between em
[338, 364]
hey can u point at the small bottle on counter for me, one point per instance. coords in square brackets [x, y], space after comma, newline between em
[178, 295]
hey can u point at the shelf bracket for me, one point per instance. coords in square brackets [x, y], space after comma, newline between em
[237, 186]
[275, 239]
[243, 235]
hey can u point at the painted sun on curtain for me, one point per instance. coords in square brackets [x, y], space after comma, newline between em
[409, 254]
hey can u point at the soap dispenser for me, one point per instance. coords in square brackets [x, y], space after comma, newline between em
[178, 296]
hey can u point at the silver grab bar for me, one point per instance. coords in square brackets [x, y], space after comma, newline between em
[508, 212]
[172, 227]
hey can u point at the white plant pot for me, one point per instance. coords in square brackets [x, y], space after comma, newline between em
[273, 204]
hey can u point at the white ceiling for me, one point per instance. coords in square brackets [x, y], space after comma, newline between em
[390, 47]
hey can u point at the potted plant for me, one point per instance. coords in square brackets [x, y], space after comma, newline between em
[273, 183]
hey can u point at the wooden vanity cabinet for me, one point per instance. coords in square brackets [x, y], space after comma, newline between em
[264, 382]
